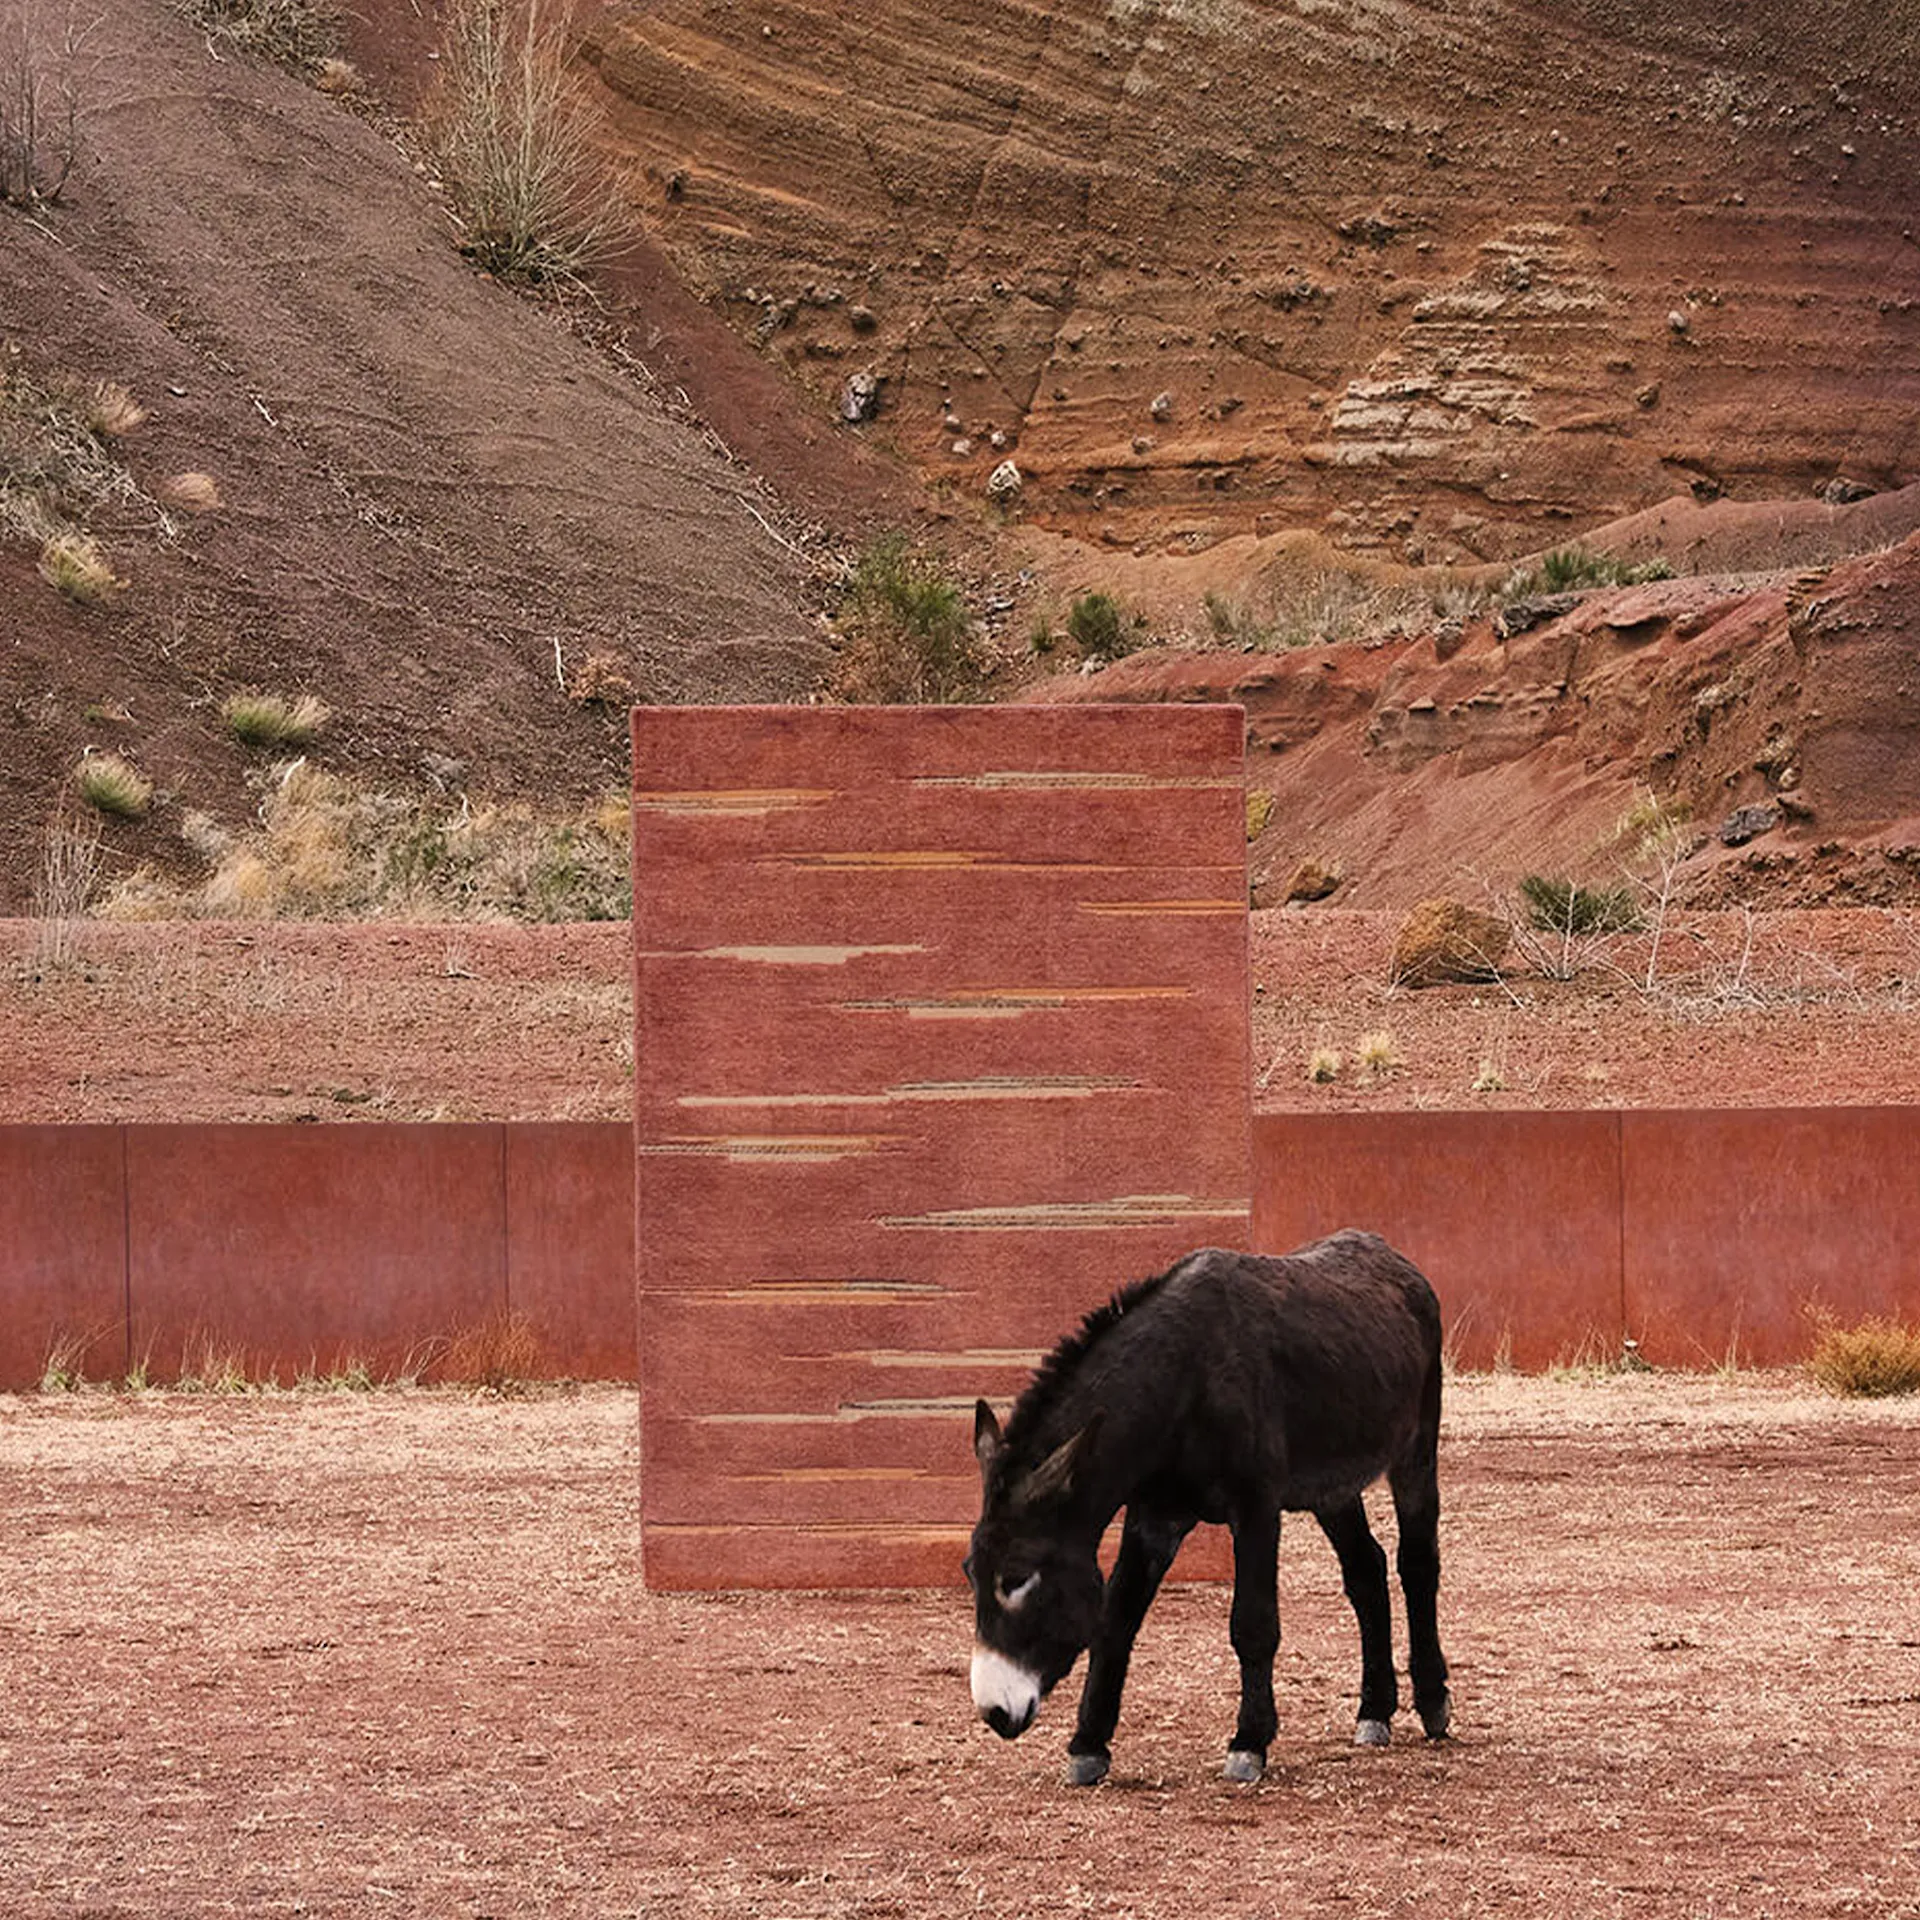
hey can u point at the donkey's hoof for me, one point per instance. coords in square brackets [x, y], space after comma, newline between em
[1438, 1718]
[1243, 1767]
[1087, 1769]
[1372, 1733]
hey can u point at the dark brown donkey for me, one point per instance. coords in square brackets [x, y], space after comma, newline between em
[1231, 1388]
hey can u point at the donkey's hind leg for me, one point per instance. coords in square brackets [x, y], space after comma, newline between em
[1416, 1501]
[1363, 1572]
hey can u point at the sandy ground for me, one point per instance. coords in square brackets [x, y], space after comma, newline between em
[337, 1654]
[479, 1021]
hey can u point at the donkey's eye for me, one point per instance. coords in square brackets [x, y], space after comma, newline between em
[1015, 1597]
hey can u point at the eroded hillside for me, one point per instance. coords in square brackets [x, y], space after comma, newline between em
[1439, 281]
[429, 502]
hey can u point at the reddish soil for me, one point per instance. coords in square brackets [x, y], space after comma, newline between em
[340, 1654]
[469, 1021]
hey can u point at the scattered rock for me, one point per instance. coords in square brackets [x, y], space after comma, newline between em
[862, 319]
[1518, 616]
[1749, 823]
[1161, 406]
[1442, 941]
[860, 397]
[1312, 881]
[1841, 492]
[1004, 483]
[1679, 323]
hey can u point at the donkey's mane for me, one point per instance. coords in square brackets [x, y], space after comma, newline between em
[1056, 1372]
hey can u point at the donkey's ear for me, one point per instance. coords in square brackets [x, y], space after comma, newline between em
[986, 1437]
[1057, 1475]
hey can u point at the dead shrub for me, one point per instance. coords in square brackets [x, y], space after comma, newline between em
[46, 67]
[1871, 1359]
[514, 134]
[64, 888]
[300, 34]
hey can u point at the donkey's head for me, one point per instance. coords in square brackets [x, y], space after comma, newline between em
[1036, 1575]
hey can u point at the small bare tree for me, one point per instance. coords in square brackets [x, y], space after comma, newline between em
[64, 888]
[45, 62]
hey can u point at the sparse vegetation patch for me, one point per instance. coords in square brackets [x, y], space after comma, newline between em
[1571, 569]
[326, 847]
[301, 34]
[59, 467]
[907, 632]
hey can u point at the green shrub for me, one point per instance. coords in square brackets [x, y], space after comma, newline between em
[1573, 568]
[1101, 627]
[1557, 905]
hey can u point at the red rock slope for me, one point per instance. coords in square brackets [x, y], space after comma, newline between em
[1439, 280]
[1516, 741]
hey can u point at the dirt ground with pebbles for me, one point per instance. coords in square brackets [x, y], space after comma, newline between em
[475, 1020]
[344, 1654]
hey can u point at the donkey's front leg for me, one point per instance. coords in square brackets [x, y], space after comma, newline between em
[1148, 1543]
[1256, 1639]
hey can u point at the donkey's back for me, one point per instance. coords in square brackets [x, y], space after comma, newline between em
[1319, 1368]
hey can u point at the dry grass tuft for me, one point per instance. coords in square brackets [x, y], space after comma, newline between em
[1323, 1065]
[340, 78]
[1379, 1052]
[109, 411]
[502, 1354]
[73, 565]
[1872, 1359]
[195, 492]
[267, 720]
[112, 785]
[600, 680]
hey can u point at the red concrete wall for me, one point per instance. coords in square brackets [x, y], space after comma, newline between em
[569, 1253]
[1739, 1223]
[941, 1034]
[296, 1249]
[63, 1250]
[1515, 1218]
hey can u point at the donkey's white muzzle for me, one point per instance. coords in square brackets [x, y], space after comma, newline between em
[1006, 1695]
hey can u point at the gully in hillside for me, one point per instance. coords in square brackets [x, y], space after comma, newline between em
[1229, 1389]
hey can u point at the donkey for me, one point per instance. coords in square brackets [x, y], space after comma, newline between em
[1227, 1389]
